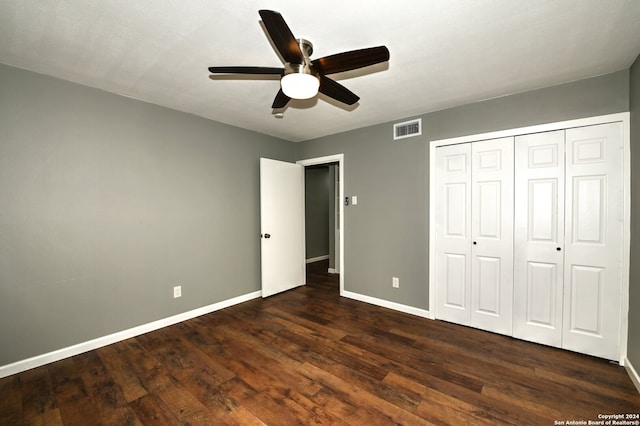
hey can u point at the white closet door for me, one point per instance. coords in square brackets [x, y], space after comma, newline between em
[539, 237]
[492, 235]
[453, 233]
[593, 249]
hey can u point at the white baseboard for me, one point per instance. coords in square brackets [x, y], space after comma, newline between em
[40, 360]
[387, 304]
[332, 271]
[633, 373]
[317, 259]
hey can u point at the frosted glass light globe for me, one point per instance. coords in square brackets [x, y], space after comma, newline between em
[300, 85]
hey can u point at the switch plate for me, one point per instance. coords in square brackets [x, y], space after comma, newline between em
[395, 282]
[177, 291]
[354, 200]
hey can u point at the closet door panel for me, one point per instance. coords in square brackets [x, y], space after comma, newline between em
[492, 235]
[587, 288]
[542, 296]
[455, 281]
[453, 233]
[593, 258]
[539, 237]
[488, 273]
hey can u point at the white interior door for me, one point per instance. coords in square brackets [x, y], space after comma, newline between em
[492, 235]
[539, 237]
[282, 226]
[593, 254]
[453, 233]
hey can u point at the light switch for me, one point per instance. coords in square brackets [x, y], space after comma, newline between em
[354, 200]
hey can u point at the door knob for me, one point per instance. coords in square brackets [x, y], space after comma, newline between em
[475, 242]
[558, 248]
[267, 235]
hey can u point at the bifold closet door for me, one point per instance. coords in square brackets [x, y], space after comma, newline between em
[537, 252]
[453, 233]
[492, 235]
[474, 234]
[539, 237]
[593, 240]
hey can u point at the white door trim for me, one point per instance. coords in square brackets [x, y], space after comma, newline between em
[626, 226]
[336, 158]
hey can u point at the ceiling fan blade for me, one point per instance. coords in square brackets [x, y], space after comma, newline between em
[246, 70]
[337, 91]
[352, 60]
[281, 100]
[282, 37]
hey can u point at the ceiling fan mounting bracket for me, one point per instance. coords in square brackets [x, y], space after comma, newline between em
[306, 47]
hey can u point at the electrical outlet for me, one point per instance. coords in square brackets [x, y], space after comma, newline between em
[177, 291]
[395, 282]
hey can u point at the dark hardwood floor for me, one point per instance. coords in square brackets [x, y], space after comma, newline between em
[308, 356]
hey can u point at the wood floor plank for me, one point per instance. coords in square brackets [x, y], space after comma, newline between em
[281, 366]
[139, 359]
[348, 411]
[326, 329]
[279, 383]
[48, 418]
[437, 407]
[181, 403]
[176, 352]
[238, 391]
[372, 404]
[309, 356]
[10, 401]
[105, 393]
[38, 397]
[197, 374]
[122, 372]
[621, 390]
[270, 412]
[76, 407]
[417, 359]
[240, 416]
[152, 411]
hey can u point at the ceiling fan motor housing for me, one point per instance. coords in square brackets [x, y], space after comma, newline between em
[305, 67]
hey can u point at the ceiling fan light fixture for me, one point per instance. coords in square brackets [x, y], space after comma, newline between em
[302, 78]
[300, 82]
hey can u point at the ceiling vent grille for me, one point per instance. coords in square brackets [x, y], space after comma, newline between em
[407, 129]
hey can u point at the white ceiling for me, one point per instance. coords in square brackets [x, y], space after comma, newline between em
[443, 52]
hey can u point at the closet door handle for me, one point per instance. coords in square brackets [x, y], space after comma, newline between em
[558, 249]
[475, 243]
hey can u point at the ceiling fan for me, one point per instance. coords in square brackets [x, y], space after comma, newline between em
[301, 77]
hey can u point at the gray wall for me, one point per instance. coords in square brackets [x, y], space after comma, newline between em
[107, 203]
[634, 276]
[317, 211]
[386, 234]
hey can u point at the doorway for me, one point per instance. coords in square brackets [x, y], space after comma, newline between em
[334, 260]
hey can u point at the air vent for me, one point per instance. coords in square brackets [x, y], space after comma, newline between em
[407, 129]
